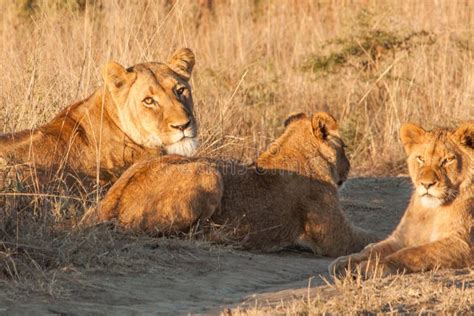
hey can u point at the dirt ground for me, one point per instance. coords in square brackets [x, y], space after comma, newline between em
[207, 278]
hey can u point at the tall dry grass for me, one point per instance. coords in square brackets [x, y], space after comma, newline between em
[373, 64]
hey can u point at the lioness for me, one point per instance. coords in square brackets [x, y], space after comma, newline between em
[142, 111]
[288, 197]
[437, 227]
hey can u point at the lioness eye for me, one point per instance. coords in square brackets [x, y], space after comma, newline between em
[148, 101]
[180, 91]
[420, 159]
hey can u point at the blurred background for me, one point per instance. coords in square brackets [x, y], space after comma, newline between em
[373, 64]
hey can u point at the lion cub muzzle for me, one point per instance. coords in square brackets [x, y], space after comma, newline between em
[430, 187]
[428, 179]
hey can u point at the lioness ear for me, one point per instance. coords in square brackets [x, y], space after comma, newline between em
[182, 62]
[410, 135]
[323, 124]
[116, 77]
[465, 134]
[294, 117]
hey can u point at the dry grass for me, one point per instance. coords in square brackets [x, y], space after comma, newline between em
[445, 292]
[373, 64]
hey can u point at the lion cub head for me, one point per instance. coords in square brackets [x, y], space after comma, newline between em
[310, 145]
[440, 162]
[154, 102]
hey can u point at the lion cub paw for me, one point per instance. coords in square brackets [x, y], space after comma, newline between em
[346, 264]
[374, 269]
[339, 266]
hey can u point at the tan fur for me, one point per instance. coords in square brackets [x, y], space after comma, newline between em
[114, 127]
[159, 184]
[437, 227]
[288, 197]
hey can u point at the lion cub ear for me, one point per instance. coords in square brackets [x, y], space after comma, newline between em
[323, 125]
[116, 76]
[410, 135]
[464, 134]
[294, 117]
[182, 62]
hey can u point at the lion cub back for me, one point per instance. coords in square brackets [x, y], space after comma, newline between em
[140, 205]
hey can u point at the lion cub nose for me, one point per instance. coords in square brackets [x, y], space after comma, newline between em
[428, 183]
[181, 127]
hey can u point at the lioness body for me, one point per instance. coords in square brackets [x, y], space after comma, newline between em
[437, 227]
[288, 197]
[68, 141]
[114, 128]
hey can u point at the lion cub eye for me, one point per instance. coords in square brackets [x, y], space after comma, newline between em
[148, 101]
[420, 159]
[447, 161]
[180, 91]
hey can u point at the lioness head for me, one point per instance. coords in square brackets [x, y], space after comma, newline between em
[154, 102]
[440, 162]
[310, 145]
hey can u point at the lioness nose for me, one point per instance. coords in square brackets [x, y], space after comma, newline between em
[181, 127]
[428, 183]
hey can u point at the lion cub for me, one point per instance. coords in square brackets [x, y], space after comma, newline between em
[288, 197]
[437, 228]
